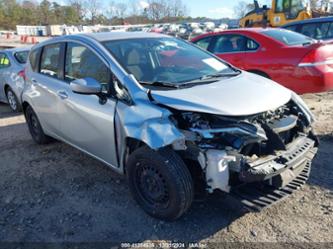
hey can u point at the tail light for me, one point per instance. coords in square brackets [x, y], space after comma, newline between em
[22, 74]
[322, 55]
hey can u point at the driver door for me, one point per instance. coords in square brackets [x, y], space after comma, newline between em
[87, 124]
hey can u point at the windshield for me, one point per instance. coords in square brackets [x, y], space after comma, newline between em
[288, 37]
[21, 57]
[166, 60]
[290, 5]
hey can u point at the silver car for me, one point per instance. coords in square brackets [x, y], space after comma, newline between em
[175, 119]
[12, 62]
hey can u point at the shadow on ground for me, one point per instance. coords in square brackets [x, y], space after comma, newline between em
[56, 193]
[6, 112]
[322, 169]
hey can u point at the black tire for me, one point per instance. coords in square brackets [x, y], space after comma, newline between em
[35, 128]
[12, 99]
[160, 182]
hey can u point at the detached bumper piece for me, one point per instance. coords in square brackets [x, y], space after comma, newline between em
[256, 197]
[287, 176]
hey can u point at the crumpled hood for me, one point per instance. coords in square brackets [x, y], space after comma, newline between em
[245, 94]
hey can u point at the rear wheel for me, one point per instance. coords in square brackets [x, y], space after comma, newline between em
[13, 100]
[160, 182]
[35, 128]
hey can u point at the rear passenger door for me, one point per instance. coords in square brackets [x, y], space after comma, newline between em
[46, 82]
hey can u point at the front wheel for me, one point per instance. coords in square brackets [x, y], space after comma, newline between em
[160, 182]
[13, 100]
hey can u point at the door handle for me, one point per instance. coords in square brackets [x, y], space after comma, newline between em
[62, 94]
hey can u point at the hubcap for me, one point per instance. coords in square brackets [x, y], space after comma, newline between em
[152, 185]
[11, 100]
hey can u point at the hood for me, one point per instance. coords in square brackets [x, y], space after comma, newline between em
[245, 94]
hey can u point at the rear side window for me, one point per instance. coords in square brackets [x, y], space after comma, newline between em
[81, 63]
[50, 60]
[287, 37]
[204, 43]
[21, 57]
[251, 45]
[34, 60]
[4, 61]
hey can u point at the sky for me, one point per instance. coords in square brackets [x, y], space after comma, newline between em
[215, 8]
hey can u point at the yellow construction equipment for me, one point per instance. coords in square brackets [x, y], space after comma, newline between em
[282, 12]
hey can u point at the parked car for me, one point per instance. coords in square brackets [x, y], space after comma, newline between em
[297, 62]
[171, 117]
[12, 62]
[316, 28]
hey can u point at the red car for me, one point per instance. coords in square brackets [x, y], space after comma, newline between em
[295, 61]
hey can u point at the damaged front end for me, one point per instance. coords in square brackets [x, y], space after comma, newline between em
[269, 150]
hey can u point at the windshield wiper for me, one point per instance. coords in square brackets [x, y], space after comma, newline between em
[209, 77]
[159, 83]
[220, 75]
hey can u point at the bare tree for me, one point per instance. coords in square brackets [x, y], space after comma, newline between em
[93, 8]
[118, 10]
[79, 7]
[242, 8]
[165, 9]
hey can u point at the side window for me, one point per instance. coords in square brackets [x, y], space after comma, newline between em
[4, 61]
[230, 44]
[50, 60]
[330, 31]
[204, 43]
[33, 58]
[292, 28]
[81, 63]
[251, 45]
[309, 30]
[323, 30]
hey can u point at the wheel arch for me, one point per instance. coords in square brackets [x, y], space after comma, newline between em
[259, 72]
[25, 105]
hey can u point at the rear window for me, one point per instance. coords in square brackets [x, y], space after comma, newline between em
[21, 57]
[287, 37]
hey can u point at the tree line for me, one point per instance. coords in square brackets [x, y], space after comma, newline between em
[89, 12]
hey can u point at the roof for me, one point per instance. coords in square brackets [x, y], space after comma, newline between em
[107, 36]
[312, 20]
[20, 49]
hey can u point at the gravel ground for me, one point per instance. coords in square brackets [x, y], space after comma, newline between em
[55, 193]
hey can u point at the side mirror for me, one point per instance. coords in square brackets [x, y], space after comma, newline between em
[86, 86]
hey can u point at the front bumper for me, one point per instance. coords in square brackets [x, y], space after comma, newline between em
[300, 151]
[270, 184]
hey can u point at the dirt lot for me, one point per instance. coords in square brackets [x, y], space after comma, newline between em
[55, 193]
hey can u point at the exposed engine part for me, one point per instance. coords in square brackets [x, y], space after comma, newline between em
[260, 135]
